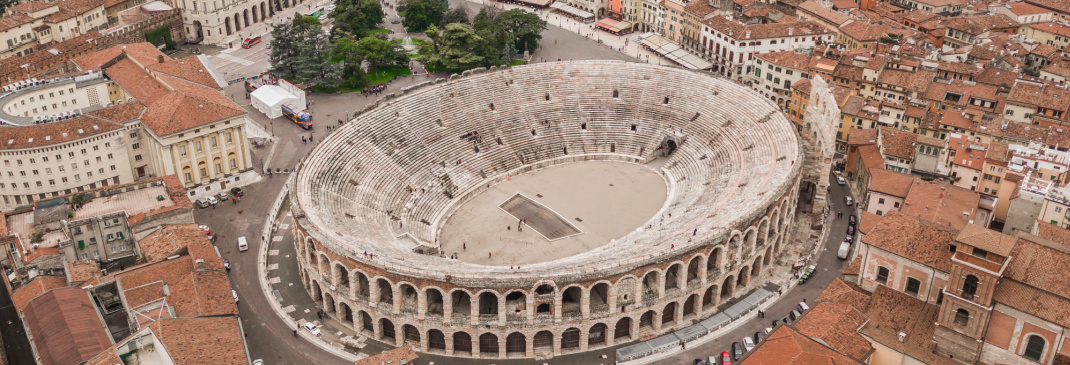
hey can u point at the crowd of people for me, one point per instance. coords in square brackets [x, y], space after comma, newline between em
[377, 89]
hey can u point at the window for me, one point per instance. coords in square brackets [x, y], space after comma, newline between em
[137, 145]
[882, 275]
[969, 287]
[1034, 348]
[913, 286]
[182, 150]
[880, 201]
[979, 253]
[213, 141]
[137, 157]
[962, 317]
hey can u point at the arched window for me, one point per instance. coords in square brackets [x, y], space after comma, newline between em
[1034, 348]
[913, 286]
[962, 317]
[969, 287]
[882, 275]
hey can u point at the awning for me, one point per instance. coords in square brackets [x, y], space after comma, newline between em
[571, 10]
[537, 3]
[668, 49]
[613, 25]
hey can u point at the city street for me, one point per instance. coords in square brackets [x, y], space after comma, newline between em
[271, 338]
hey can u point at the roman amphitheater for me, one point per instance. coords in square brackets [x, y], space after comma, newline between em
[649, 196]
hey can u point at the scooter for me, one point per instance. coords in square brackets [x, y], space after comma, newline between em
[226, 264]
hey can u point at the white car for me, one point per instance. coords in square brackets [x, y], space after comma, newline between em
[206, 229]
[849, 200]
[258, 362]
[748, 344]
[212, 200]
[840, 180]
[315, 331]
[235, 294]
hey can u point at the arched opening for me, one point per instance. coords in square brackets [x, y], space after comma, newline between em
[599, 298]
[488, 344]
[227, 23]
[650, 286]
[516, 305]
[596, 337]
[751, 241]
[462, 343]
[436, 340]
[462, 303]
[670, 147]
[882, 276]
[388, 331]
[570, 339]
[328, 303]
[409, 298]
[343, 276]
[689, 306]
[1034, 348]
[255, 15]
[623, 329]
[543, 343]
[671, 277]
[386, 292]
[744, 277]
[768, 256]
[616, 94]
[516, 343]
[646, 323]
[346, 313]
[729, 288]
[763, 232]
[668, 315]
[317, 295]
[913, 287]
[198, 30]
[756, 267]
[245, 17]
[367, 325]
[969, 286]
[412, 335]
[570, 302]
[962, 317]
[709, 297]
[237, 23]
[714, 263]
[544, 289]
[434, 302]
[488, 304]
[692, 271]
[543, 308]
[325, 266]
[362, 286]
[263, 12]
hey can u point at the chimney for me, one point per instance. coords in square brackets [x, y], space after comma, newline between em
[199, 264]
[159, 58]
[902, 336]
[791, 31]
[747, 35]
[966, 216]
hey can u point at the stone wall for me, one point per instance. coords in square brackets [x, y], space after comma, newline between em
[135, 33]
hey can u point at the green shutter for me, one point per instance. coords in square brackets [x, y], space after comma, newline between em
[81, 244]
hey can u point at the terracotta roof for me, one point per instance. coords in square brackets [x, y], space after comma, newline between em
[920, 241]
[890, 182]
[1052, 27]
[892, 312]
[1040, 303]
[39, 285]
[867, 222]
[911, 81]
[80, 271]
[144, 52]
[169, 239]
[941, 203]
[869, 32]
[1026, 9]
[858, 137]
[66, 327]
[1045, 96]
[978, 24]
[898, 143]
[14, 20]
[1059, 66]
[191, 69]
[986, 239]
[996, 77]
[1040, 263]
[966, 89]
[1024, 132]
[30, 7]
[395, 356]
[120, 113]
[786, 346]
[789, 59]
[738, 31]
[193, 292]
[53, 133]
[836, 325]
[968, 154]
[1054, 233]
[871, 157]
[855, 268]
[700, 8]
[825, 13]
[202, 340]
[842, 292]
[1059, 5]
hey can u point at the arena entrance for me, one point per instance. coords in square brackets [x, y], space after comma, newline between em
[540, 218]
[807, 190]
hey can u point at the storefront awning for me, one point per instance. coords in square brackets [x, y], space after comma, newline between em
[572, 10]
[537, 3]
[613, 25]
[668, 49]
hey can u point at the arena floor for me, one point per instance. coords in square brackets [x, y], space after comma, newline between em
[610, 199]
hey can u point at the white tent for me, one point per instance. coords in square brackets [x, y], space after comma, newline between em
[269, 99]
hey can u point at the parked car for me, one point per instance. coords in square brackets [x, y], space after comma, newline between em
[315, 331]
[737, 351]
[850, 230]
[776, 322]
[243, 245]
[202, 203]
[258, 362]
[212, 200]
[725, 359]
[845, 249]
[794, 314]
[850, 201]
[787, 320]
[768, 330]
[235, 293]
[222, 196]
[849, 238]
[840, 180]
[238, 192]
[803, 307]
[758, 337]
[699, 362]
[748, 344]
[852, 220]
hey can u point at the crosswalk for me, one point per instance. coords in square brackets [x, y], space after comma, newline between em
[243, 65]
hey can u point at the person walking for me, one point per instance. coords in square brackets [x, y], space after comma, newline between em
[490, 255]
[464, 245]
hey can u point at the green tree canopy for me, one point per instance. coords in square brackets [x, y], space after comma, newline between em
[521, 28]
[300, 52]
[457, 48]
[420, 14]
[355, 18]
[379, 52]
[455, 15]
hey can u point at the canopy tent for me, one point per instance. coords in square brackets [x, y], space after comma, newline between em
[535, 3]
[670, 50]
[269, 99]
[614, 26]
[573, 11]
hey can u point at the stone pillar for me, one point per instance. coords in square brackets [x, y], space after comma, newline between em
[474, 313]
[584, 336]
[449, 343]
[661, 285]
[398, 298]
[557, 345]
[354, 285]
[475, 346]
[529, 346]
[679, 315]
[655, 322]
[681, 280]
[611, 301]
[377, 329]
[447, 309]
[634, 328]
[610, 333]
[501, 347]
[702, 271]
[374, 296]
[529, 310]
[585, 304]
[698, 302]
[421, 306]
[501, 311]
[399, 334]
[425, 342]
[557, 308]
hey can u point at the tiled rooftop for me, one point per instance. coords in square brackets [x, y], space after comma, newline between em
[923, 242]
[132, 202]
[169, 239]
[941, 203]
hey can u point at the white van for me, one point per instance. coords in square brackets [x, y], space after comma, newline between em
[845, 249]
[242, 245]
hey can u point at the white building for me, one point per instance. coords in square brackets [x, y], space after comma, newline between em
[732, 44]
[226, 22]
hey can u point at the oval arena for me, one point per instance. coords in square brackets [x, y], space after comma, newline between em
[650, 196]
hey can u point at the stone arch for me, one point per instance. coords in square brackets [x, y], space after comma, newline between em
[436, 340]
[462, 302]
[488, 344]
[544, 287]
[434, 299]
[768, 256]
[263, 13]
[329, 303]
[650, 285]
[763, 232]
[691, 307]
[744, 277]
[729, 287]
[462, 343]
[646, 322]
[488, 303]
[363, 288]
[516, 343]
[345, 313]
[626, 287]
[387, 335]
[693, 268]
[245, 17]
[255, 18]
[324, 264]
[623, 329]
[409, 299]
[227, 23]
[596, 336]
[317, 293]
[411, 334]
[599, 298]
[340, 275]
[735, 241]
[543, 343]
[750, 240]
[237, 23]
[775, 220]
[756, 267]
[570, 338]
[367, 324]
[570, 301]
[668, 314]
[711, 297]
[715, 262]
[672, 276]
[386, 291]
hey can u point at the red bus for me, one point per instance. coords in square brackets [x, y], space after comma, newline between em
[250, 42]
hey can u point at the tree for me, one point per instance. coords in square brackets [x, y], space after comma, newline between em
[456, 15]
[300, 52]
[380, 52]
[354, 18]
[458, 48]
[420, 14]
[520, 29]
